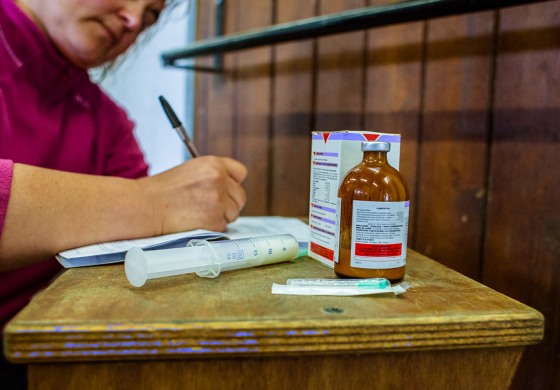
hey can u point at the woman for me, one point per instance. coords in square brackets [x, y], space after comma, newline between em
[71, 172]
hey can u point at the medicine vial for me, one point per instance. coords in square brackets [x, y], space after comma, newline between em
[373, 209]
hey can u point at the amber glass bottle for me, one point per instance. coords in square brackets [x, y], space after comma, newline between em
[373, 205]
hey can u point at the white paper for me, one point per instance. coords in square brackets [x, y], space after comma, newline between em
[124, 245]
[243, 227]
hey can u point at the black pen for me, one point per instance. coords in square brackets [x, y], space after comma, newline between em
[176, 123]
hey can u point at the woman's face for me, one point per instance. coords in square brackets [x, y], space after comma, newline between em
[92, 32]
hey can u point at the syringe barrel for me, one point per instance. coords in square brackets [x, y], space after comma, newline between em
[209, 258]
[249, 252]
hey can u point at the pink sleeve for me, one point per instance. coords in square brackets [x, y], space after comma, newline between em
[123, 156]
[6, 173]
[125, 159]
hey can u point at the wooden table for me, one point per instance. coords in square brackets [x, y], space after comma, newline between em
[92, 330]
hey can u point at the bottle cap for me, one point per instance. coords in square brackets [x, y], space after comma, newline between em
[376, 146]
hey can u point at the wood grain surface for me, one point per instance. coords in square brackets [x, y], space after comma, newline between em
[452, 170]
[95, 314]
[476, 100]
[292, 115]
[490, 369]
[523, 221]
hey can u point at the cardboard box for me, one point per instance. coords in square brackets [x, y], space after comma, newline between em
[333, 154]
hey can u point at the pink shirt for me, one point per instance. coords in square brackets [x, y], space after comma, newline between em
[53, 116]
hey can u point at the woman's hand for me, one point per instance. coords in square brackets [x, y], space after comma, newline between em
[50, 211]
[203, 193]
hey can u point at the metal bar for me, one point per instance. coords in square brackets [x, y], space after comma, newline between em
[219, 31]
[356, 19]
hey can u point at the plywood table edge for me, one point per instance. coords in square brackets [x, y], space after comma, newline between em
[51, 340]
[31, 344]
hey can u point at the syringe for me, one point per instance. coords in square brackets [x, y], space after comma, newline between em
[208, 258]
[379, 283]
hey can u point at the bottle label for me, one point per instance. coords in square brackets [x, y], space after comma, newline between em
[379, 234]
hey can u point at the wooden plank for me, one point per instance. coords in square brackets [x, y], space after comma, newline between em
[214, 127]
[251, 115]
[94, 314]
[393, 94]
[340, 74]
[292, 116]
[486, 369]
[452, 167]
[233, 107]
[523, 229]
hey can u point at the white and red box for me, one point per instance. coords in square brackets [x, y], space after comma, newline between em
[333, 154]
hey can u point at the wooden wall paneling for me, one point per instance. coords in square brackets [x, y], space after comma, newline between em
[372, 80]
[453, 165]
[251, 114]
[339, 88]
[521, 257]
[214, 127]
[487, 369]
[393, 93]
[292, 116]
[292, 121]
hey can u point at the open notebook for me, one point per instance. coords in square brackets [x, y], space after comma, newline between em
[243, 227]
